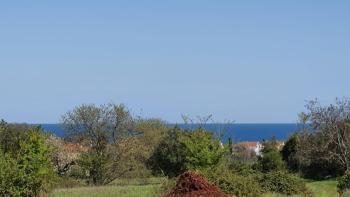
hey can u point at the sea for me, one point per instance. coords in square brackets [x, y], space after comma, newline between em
[237, 132]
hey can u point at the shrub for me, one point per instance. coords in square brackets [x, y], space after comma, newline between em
[94, 165]
[9, 175]
[182, 150]
[284, 183]
[289, 152]
[169, 156]
[232, 183]
[344, 182]
[34, 161]
[271, 161]
[27, 170]
[202, 149]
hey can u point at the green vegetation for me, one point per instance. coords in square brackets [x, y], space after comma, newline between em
[325, 188]
[110, 152]
[344, 182]
[183, 150]
[108, 191]
[271, 158]
[24, 162]
[234, 183]
[283, 183]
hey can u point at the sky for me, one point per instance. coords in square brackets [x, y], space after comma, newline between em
[243, 61]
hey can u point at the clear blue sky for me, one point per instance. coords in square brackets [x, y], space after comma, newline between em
[248, 61]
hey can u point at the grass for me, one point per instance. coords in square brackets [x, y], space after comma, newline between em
[150, 188]
[107, 191]
[326, 188]
[138, 181]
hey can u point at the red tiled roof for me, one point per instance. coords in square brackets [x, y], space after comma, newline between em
[249, 144]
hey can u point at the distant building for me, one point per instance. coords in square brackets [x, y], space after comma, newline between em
[258, 146]
[254, 146]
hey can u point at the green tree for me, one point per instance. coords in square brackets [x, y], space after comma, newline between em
[271, 158]
[25, 166]
[183, 150]
[344, 182]
[326, 126]
[289, 152]
[99, 128]
[9, 177]
[169, 156]
[34, 162]
[202, 149]
[271, 161]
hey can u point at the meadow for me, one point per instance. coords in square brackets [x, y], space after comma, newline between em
[326, 188]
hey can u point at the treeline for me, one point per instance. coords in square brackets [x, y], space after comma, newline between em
[107, 142]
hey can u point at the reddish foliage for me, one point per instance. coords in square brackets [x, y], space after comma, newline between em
[191, 184]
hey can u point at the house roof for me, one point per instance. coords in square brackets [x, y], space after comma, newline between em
[249, 144]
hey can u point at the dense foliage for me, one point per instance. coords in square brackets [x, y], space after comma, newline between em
[289, 152]
[25, 163]
[234, 183]
[182, 150]
[282, 182]
[271, 158]
[327, 127]
[344, 182]
[105, 143]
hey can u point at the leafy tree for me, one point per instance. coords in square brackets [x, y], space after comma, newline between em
[34, 162]
[11, 135]
[95, 166]
[9, 176]
[344, 182]
[271, 161]
[99, 128]
[327, 127]
[271, 158]
[202, 149]
[25, 166]
[169, 156]
[270, 145]
[289, 152]
[183, 150]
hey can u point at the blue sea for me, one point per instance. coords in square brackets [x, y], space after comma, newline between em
[238, 132]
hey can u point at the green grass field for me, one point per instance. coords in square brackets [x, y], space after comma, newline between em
[320, 188]
[327, 188]
[107, 191]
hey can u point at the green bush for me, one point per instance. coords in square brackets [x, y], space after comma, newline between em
[202, 149]
[169, 156]
[289, 152]
[344, 182]
[232, 183]
[9, 176]
[185, 150]
[27, 170]
[94, 166]
[270, 161]
[284, 183]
